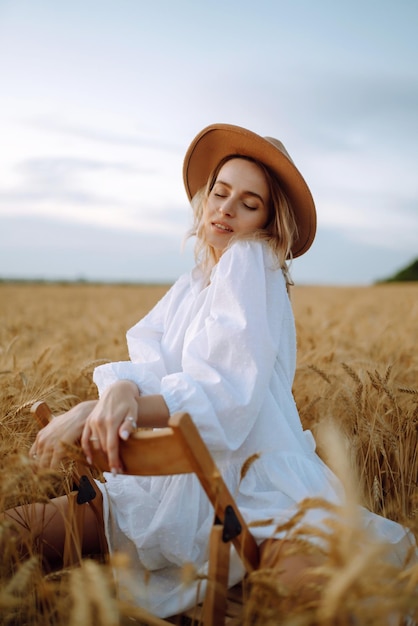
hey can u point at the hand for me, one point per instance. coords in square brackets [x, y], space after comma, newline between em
[113, 417]
[49, 446]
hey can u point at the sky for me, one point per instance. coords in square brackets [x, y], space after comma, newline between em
[99, 100]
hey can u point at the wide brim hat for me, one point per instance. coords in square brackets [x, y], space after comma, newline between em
[217, 141]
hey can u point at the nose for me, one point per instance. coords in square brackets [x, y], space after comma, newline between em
[226, 207]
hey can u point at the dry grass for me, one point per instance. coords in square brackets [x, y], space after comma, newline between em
[357, 376]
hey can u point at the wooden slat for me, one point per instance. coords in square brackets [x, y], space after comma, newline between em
[216, 490]
[214, 605]
[149, 453]
[234, 608]
[42, 413]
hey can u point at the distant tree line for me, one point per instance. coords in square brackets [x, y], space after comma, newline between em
[409, 273]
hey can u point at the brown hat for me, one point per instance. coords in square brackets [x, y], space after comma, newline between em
[217, 141]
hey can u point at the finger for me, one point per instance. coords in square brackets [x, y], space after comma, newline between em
[49, 454]
[127, 427]
[58, 456]
[37, 453]
[86, 444]
[112, 450]
[35, 448]
[43, 459]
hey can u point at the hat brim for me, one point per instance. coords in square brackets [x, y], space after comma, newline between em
[220, 140]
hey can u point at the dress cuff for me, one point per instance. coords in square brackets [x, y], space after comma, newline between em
[107, 374]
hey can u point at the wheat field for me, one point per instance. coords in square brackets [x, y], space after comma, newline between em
[356, 387]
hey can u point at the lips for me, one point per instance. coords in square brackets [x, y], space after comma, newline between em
[223, 227]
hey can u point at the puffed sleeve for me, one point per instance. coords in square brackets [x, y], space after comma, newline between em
[230, 348]
[147, 365]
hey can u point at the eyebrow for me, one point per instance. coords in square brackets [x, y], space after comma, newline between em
[247, 193]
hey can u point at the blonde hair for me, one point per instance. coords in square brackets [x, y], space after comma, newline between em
[279, 233]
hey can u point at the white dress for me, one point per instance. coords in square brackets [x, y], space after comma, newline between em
[226, 354]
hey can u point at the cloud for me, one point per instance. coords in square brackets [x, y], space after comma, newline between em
[375, 218]
[59, 169]
[39, 247]
[336, 259]
[352, 112]
[59, 180]
[96, 135]
[64, 189]
[393, 229]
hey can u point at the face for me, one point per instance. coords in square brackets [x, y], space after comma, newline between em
[238, 203]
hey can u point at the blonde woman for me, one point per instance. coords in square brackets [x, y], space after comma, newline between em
[220, 345]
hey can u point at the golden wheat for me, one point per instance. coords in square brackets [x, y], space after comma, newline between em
[355, 387]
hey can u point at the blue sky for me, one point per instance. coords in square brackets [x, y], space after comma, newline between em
[99, 100]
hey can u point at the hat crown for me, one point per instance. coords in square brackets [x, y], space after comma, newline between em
[279, 145]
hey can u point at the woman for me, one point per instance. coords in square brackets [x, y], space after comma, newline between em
[221, 346]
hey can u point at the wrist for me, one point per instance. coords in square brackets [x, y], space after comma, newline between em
[127, 386]
[152, 411]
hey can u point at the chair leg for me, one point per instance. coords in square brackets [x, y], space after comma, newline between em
[74, 533]
[214, 605]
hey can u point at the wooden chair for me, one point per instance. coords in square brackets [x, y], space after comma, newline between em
[178, 449]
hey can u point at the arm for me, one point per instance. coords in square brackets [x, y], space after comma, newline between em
[231, 347]
[118, 385]
[105, 420]
[229, 350]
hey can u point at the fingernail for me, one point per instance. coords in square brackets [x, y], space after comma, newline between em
[114, 471]
[89, 460]
[124, 435]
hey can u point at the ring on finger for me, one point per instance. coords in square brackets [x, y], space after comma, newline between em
[132, 420]
[95, 442]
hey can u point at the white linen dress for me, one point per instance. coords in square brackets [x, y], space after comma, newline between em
[226, 353]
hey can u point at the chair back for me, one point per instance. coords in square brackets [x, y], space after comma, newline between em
[179, 449]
